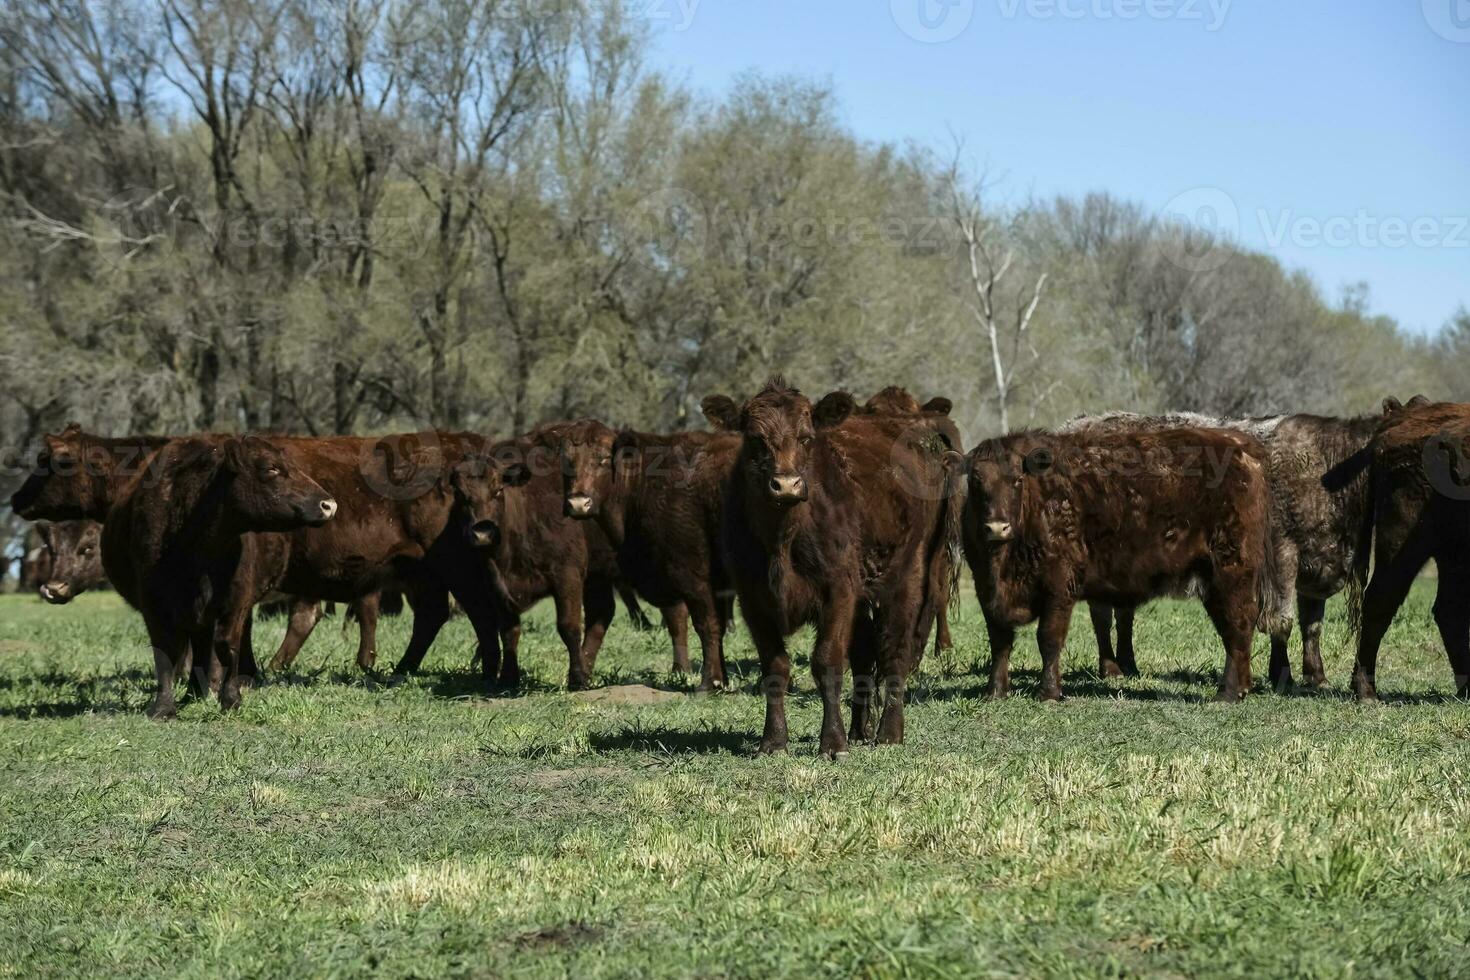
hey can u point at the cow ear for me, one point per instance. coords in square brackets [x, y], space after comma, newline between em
[624, 450]
[1418, 401]
[833, 409]
[722, 412]
[1392, 406]
[43, 529]
[939, 406]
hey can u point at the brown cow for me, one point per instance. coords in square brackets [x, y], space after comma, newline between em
[1420, 478]
[182, 547]
[1119, 518]
[512, 500]
[74, 552]
[657, 499]
[1316, 528]
[830, 524]
[899, 402]
[392, 530]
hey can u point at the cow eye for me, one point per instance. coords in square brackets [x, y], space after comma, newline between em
[805, 439]
[605, 462]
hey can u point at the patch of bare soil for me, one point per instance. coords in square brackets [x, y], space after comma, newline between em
[633, 694]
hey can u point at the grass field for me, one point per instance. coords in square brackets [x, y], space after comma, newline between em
[337, 826]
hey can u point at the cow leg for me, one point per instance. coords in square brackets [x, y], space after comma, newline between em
[229, 632]
[569, 628]
[709, 626]
[200, 673]
[1309, 614]
[676, 621]
[305, 614]
[477, 600]
[1452, 616]
[169, 645]
[1127, 659]
[510, 642]
[1051, 636]
[1002, 639]
[864, 657]
[430, 613]
[1231, 604]
[599, 608]
[1386, 591]
[366, 610]
[829, 668]
[770, 646]
[1280, 670]
[942, 639]
[1101, 615]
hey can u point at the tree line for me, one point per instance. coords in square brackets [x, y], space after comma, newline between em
[354, 216]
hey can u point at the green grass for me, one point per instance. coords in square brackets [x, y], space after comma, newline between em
[337, 826]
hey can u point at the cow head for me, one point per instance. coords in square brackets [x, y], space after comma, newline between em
[58, 486]
[588, 450]
[999, 470]
[891, 400]
[779, 426]
[264, 492]
[479, 483]
[75, 550]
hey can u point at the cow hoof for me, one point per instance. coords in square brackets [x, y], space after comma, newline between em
[578, 684]
[1229, 697]
[710, 687]
[772, 747]
[163, 714]
[998, 693]
[1051, 697]
[1109, 670]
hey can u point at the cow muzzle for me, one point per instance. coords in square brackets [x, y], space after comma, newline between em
[578, 505]
[788, 489]
[483, 534]
[57, 593]
[999, 531]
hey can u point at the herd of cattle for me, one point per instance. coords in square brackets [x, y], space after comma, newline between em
[849, 517]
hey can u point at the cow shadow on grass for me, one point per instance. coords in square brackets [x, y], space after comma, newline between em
[1076, 685]
[676, 741]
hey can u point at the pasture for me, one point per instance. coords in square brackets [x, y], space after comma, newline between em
[343, 826]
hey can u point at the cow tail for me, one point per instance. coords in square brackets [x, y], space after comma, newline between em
[1357, 582]
[1273, 592]
[943, 586]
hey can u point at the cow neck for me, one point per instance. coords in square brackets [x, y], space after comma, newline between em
[107, 486]
[775, 529]
[621, 505]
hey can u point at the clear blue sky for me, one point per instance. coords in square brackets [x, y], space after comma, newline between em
[1344, 117]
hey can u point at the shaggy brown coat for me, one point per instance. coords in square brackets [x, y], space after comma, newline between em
[1119, 518]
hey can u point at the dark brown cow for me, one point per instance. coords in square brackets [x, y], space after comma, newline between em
[899, 402]
[657, 499]
[1316, 529]
[512, 497]
[1420, 476]
[394, 529]
[845, 526]
[182, 546]
[1119, 518]
[74, 552]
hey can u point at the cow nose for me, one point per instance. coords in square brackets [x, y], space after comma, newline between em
[56, 592]
[788, 488]
[998, 530]
[579, 505]
[482, 534]
[329, 509]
